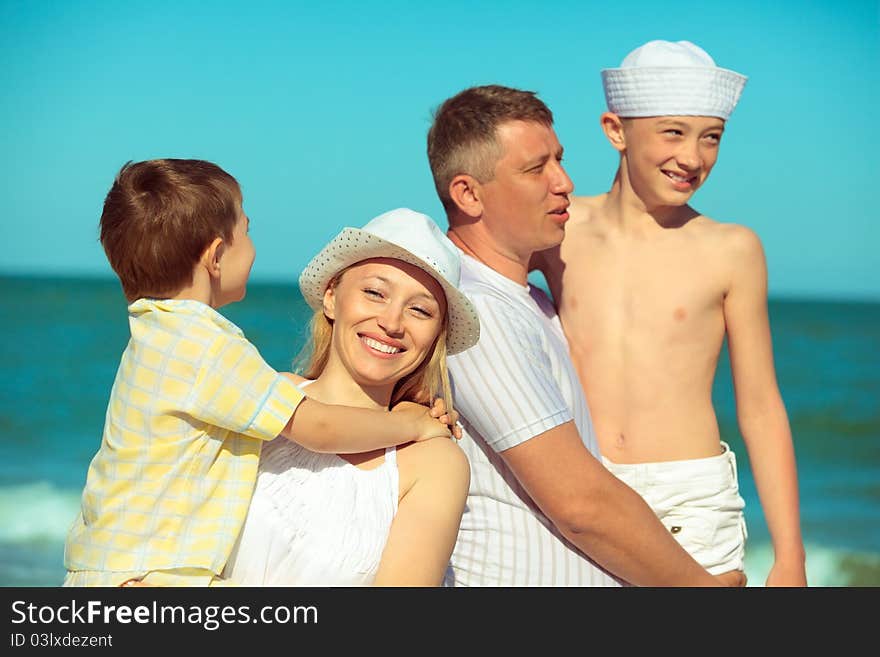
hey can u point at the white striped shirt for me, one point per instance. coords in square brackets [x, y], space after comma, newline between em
[516, 383]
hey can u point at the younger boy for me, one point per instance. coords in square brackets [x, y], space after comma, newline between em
[646, 289]
[168, 490]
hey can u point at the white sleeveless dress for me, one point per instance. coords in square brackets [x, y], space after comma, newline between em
[314, 520]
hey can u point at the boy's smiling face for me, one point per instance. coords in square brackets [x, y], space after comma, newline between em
[669, 157]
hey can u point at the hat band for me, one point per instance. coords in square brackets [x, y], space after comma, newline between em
[672, 91]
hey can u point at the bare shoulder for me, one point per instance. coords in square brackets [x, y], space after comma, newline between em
[582, 211]
[583, 214]
[737, 250]
[584, 208]
[735, 239]
[435, 456]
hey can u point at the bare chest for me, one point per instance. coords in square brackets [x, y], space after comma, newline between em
[664, 291]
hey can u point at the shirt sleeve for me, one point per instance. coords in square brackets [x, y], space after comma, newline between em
[237, 390]
[503, 386]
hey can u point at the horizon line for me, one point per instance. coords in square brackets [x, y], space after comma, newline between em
[797, 296]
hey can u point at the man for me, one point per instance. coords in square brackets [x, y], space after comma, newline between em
[541, 510]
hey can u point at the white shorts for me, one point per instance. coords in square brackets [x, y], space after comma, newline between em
[698, 500]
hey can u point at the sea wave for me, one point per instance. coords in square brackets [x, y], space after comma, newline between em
[826, 566]
[36, 511]
[35, 518]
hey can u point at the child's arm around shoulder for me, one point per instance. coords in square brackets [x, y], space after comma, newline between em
[330, 428]
[761, 413]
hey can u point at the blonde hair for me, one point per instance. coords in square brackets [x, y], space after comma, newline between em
[429, 380]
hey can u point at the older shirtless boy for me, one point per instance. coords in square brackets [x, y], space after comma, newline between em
[647, 288]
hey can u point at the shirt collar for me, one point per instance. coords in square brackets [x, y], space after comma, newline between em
[473, 268]
[145, 305]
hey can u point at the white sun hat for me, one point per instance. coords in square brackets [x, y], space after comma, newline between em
[404, 235]
[662, 78]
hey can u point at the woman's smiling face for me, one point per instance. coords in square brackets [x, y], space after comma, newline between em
[386, 316]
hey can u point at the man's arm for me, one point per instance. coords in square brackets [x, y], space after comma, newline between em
[761, 413]
[505, 389]
[600, 514]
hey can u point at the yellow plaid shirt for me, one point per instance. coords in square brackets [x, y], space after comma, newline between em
[171, 483]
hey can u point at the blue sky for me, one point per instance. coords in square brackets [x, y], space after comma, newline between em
[321, 113]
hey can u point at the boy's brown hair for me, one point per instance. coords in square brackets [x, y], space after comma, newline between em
[462, 139]
[159, 217]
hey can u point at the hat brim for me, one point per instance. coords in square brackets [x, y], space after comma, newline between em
[672, 91]
[354, 245]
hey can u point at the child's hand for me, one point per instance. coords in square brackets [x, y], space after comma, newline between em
[438, 410]
[428, 422]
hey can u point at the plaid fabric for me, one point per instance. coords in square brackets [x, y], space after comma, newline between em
[189, 577]
[171, 483]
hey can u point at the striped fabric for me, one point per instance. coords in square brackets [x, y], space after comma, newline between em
[171, 483]
[517, 382]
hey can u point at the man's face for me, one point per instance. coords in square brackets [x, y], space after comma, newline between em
[669, 157]
[525, 204]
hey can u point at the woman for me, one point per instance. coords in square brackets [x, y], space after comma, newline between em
[387, 313]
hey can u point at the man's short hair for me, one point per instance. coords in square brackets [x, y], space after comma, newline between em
[160, 216]
[463, 136]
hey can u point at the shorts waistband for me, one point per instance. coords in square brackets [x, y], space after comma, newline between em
[711, 466]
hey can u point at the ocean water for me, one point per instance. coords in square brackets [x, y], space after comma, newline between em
[61, 345]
